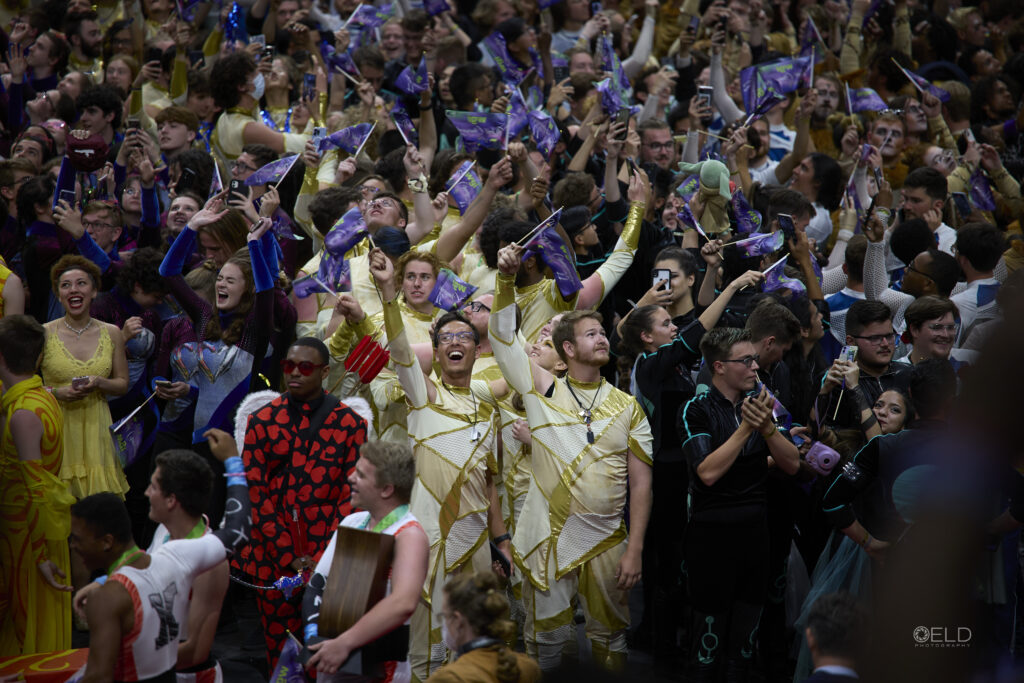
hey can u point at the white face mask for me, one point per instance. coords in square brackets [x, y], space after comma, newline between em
[258, 85]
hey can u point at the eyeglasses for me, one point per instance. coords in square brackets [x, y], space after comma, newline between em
[878, 339]
[129, 192]
[449, 337]
[659, 145]
[476, 307]
[305, 367]
[94, 225]
[940, 327]
[912, 269]
[382, 203]
[368, 189]
[242, 166]
[748, 361]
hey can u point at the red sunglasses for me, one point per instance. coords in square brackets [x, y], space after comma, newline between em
[305, 367]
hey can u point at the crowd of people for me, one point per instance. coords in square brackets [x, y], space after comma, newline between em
[712, 303]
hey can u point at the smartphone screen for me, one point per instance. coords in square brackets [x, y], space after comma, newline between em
[309, 86]
[662, 275]
[186, 180]
[695, 22]
[259, 39]
[68, 196]
[963, 205]
[786, 226]
[705, 92]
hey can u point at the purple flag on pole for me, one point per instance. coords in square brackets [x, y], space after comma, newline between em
[404, 122]
[747, 219]
[464, 186]
[783, 76]
[688, 187]
[308, 285]
[866, 99]
[981, 192]
[450, 292]
[349, 139]
[435, 7]
[507, 67]
[234, 27]
[923, 84]
[289, 668]
[750, 79]
[216, 185]
[775, 279]
[544, 131]
[611, 98]
[556, 256]
[413, 82]
[479, 131]
[687, 217]
[761, 244]
[370, 16]
[335, 272]
[518, 116]
[346, 233]
[272, 172]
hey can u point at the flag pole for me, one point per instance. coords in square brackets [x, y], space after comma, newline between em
[285, 174]
[849, 102]
[464, 173]
[400, 131]
[365, 140]
[526, 238]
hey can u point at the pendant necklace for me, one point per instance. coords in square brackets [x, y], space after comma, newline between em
[586, 414]
[80, 332]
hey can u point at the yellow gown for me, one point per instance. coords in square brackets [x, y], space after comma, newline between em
[90, 464]
[35, 522]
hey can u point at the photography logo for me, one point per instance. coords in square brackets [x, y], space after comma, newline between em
[942, 636]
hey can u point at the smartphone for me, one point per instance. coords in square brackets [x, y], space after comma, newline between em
[268, 52]
[786, 226]
[796, 439]
[623, 118]
[878, 177]
[163, 383]
[848, 353]
[195, 57]
[704, 92]
[596, 8]
[134, 122]
[236, 187]
[632, 165]
[185, 181]
[309, 87]
[79, 382]
[662, 275]
[694, 23]
[499, 557]
[153, 54]
[963, 205]
[560, 73]
[319, 133]
[259, 39]
[969, 134]
[68, 196]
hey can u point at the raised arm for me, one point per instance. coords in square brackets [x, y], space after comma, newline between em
[418, 390]
[801, 144]
[521, 373]
[452, 241]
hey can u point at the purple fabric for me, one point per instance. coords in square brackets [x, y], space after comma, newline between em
[346, 233]
[544, 131]
[404, 122]
[413, 82]
[981, 192]
[450, 292]
[272, 172]
[747, 219]
[370, 17]
[761, 244]
[349, 139]
[866, 99]
[479, 131]
[466, 189]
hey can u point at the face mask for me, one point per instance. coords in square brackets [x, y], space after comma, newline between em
[258, 86]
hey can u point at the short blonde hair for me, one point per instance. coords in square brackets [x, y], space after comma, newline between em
[395, 465]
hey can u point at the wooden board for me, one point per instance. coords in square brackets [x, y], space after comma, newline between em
[358, 578]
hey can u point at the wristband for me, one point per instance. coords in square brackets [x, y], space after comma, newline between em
[501, 539]
[772, 433]
[234, 465]
[101, 579]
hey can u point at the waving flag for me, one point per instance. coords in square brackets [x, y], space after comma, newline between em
[350, 139]
[981, 192]
[404, 124]
[464, 186]
[435, 7]
[370, 16]
[517, 114]
[335, 272]
[346, 233]
[289, 668]
[544, 4]
[450, 292]
[308, 285]
[413, 82]
[216, 185]
[611, 97]
[760, 244]
[611, 64]
[508, 68]
[922, 84]
[479, 131]
[687, 217]
[811, 43]
[775, 279]
[272, 172]
[747, 219]
[543, 130]
[784, 76]
[688, 187]
[866, 99]
[556, 255]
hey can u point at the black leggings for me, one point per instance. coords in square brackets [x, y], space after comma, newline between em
[727, 579]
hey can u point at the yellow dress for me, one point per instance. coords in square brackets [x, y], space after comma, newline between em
[5, 273]
[34, 525]
[90, 464]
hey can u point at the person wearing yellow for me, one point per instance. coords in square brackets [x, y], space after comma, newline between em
[35, 518]
[12, 292]
[588, 440]
[451, 427]
[83, 362]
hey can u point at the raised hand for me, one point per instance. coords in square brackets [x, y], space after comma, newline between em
[509, 259]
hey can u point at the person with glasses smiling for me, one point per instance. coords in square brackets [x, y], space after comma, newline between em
[869, 328]
[730, 441]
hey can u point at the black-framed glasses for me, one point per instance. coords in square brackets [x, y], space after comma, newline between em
[877, 339]
[305, 367]
[449, 337]
[748, 361]
[477, 306]
[659, 145]
[912, 269]
[242, 166]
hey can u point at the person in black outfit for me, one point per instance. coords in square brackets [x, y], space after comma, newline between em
[729, 439]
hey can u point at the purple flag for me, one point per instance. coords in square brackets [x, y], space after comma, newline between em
[350, 139]
[272, 172]
[346, 233]
[556, 255]
[981, 192]
[517, 114]
[611, 98]
[128, 435]
[450, 292]
[687, 217]
[688, 187]
[782, 76]
[775, 279]
[435, 7]
[761, 244]
[404, 123]
[216, 185]
[507, 67]
[747, 219]
[413, 82]
[872, 9]
[335, 272]
[289, 668]
[866, 99]
[611, 64]
[308, 285]
[811, 43]
[370, 16]
[479, 131]
[544, 131]
[464, 186]
[923, 84]
[750, 79]
[544, 4]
